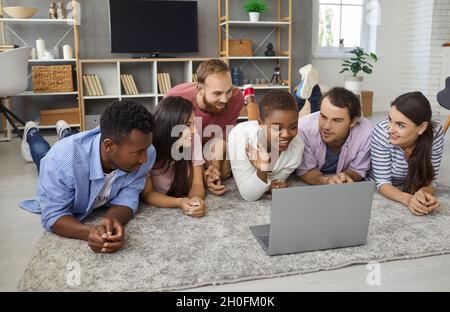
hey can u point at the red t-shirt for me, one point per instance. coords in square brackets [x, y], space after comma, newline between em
[228, 117]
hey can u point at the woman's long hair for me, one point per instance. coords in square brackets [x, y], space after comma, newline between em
[417, 108]
[170, 112]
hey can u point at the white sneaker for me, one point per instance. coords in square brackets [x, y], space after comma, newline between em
[61, 125]
[25, 147]
[310, 78]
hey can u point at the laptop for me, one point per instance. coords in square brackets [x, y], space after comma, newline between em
[308, 218]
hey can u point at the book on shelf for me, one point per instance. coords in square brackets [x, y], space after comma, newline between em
[129, 85]
[169, 84]
[160, 85]
[87, 87]
[130, 80]
[133, 84]
[91, 85]
[124, 85]
[99, 85]
[94, 85]
[8, 47]
[164, 83]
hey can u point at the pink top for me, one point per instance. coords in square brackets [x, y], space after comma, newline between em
[228, 117]
[163, 182]
[355, 153]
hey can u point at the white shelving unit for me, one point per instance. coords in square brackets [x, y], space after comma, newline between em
[248, 23]
[36, 21]
[281, 25]
[6, 24]
[143, 95]
[145, 73]
[258, 57]
[53, 61]
[266, 87]
[31, 93]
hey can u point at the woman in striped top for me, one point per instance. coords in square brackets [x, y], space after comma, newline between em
[407, 149]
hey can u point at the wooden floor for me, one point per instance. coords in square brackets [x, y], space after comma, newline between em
[19, 231]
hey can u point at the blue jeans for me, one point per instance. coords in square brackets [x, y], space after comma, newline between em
[39, 146]
[314, 99]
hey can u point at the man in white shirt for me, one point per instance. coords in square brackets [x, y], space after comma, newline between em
[264, 152]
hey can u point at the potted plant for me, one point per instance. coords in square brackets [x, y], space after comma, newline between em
[254, 8]
[358, 62]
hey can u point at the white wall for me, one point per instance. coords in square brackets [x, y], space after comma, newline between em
[409, 46]
[441, 35]
[385, 80]
[427, 28]
[421, 66]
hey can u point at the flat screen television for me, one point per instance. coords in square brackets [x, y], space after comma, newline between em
[147, 26]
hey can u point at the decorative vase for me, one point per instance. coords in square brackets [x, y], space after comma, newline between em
[254, 16]
[236, 76]
[40, 48]
[33, 55]
[67, 52]
[353, 83]
[57, 52]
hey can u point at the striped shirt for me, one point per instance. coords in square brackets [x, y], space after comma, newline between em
[389, 163]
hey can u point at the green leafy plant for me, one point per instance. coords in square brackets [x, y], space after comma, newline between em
[255, 6]
[359, 62]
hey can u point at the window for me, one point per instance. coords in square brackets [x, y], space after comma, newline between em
[340, 25]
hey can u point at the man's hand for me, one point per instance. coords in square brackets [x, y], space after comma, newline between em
[338, 179]
[213, 181]
[194, 207]
[115, 234]
[107, 237]
[97, 238]
[259, 158]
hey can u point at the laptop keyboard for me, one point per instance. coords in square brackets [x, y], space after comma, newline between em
[265, 239]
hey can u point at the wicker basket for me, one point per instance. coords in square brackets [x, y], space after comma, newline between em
[55, 78]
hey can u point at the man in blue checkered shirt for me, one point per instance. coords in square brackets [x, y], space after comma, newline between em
[106, 166]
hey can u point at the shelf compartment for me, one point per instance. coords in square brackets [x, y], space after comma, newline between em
[142, 76]
[52, 61]
[107, 96]
[69, 22]
[259, 57]
[177, 75]
[31, 93]
[266, 87]
[260, 23]
[108, 74]
[141, 95]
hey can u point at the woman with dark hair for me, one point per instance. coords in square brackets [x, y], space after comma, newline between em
[407, 150]
[176, 179]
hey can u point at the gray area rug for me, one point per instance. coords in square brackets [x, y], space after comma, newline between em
[166, 250]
